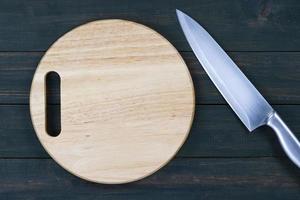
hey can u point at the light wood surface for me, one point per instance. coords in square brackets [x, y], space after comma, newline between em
[127, 101]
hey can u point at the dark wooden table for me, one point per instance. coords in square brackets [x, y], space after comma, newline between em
[220, 160]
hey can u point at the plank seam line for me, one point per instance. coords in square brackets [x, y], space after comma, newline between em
[228, 157]
[197, 104]
[181, 51]
[176, 158]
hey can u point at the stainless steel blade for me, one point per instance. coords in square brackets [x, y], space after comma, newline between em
[238, 91]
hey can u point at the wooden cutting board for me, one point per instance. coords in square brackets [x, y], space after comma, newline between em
[127, 101]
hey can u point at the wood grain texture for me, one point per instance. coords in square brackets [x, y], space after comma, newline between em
[216, 132]
[256, 25]
[188, 179]
[249, 170]
[127, 101]
[275, 74]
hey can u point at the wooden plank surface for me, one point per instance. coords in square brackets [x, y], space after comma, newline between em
[238, 25]
[216, 132]
[220, 160]
[210, 179]
[276, 75]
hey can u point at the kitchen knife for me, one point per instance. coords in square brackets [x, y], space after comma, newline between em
[250, 106]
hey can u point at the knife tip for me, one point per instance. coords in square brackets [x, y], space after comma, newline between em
[178, 12]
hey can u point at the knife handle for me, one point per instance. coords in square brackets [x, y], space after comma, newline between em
[286, 137]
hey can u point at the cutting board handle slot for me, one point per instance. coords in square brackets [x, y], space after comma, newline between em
[53, 114]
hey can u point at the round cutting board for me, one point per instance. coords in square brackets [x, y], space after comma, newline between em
[127, 101]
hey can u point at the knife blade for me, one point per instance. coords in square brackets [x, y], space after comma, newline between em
[245, 100]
